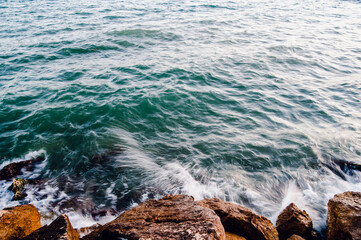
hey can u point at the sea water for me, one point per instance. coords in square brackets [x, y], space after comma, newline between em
[248, 101]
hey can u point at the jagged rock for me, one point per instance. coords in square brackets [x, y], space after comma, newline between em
[295, 237]
[241, 221]
[232, 236]
[292, 220]
[14, 169]
[344, 216]
[59, 229]
[86, 230]
[172, 217]
[18, 188]
[17, 222]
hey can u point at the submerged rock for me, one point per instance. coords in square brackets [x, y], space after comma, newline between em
[241, 221]
[17, 222]
[172, 217]
[104, 157]
[292, 221]
[14, 169]
[347, 165]
[59, 229]
[97, 214]
[344, 216]
[79, 204]
[83, 205]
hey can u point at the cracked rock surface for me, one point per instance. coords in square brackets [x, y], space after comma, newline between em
[172, 217]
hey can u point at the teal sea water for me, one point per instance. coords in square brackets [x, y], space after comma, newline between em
[249, 101]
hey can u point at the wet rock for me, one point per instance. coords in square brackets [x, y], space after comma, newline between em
[86, 230]
[83, 205]
[14, 169]
[340, 167]
[292, 220]
[232, 236]
[18, 188]
[347, 165]
[241, 221]
[344, 216]
[17, 222]
[97, 214]
[315, 235]
[295, 237]
[59, 229]
[37, 182]
[78, 204]
[172, 217]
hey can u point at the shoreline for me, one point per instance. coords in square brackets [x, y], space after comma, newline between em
[180, 217]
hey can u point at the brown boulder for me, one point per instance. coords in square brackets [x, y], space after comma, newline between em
[295, 237]
[59, 229]
[232, 236]
[241, 221]
[344, 216]
[17, 222]
[172, 217]
[14, 169]
[292, 220]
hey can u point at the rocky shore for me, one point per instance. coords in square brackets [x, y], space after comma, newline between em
[180, 217]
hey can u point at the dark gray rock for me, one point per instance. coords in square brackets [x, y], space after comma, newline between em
[15, 169]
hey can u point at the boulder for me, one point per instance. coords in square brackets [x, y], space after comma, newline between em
[232, 236]
[241, 221]
[292, 220]
[18, 188]
[14, 169]
[17, 222]
[59, 229]
[295, 237]
[344, 216]
[172, 217]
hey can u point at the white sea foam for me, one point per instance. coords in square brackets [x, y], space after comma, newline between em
[5, 194]
[29, 155]
[308, 189]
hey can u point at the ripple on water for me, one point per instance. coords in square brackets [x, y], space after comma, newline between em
[246, 101]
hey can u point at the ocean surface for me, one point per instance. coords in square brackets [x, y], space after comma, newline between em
[249, 101]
